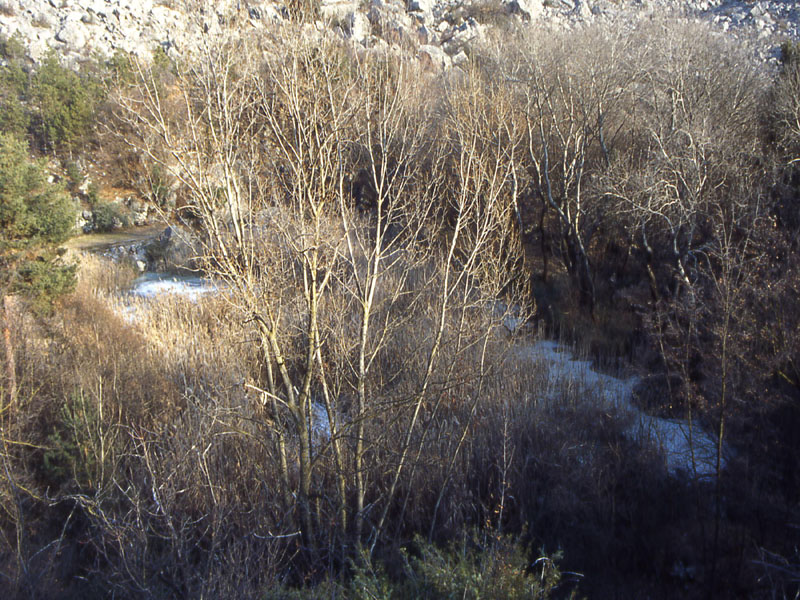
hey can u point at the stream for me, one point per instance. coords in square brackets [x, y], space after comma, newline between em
[685, 450]
[151, 285]
[679, 444]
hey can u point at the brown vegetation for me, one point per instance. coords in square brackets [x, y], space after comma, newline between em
[352, 394]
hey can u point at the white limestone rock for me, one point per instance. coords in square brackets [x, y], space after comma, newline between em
[583, 9]
[433, 58]
[527, 9]
[74, 35]
[424, 6]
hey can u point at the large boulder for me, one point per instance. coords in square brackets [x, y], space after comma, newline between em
[463, 35]
[74, 33]
[433, 58]
[527, 9]
[140, 211]
[176, 248]
[583, 9]
[423, 6]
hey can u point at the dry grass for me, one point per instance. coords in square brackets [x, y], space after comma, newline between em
[100, 277]
[194, 464]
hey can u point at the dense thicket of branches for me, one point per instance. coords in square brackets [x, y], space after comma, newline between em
[376, 230]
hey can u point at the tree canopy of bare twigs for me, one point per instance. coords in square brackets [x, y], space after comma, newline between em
[365, 234]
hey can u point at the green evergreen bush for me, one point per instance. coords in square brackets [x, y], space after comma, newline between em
[74, 175]
[14, 87]
[790, 52]
[12, 48]
[65, 104]
[35, 216]
[484, 566]
[108, 217]
[72, 456]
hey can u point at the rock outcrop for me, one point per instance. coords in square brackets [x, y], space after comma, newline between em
[173, 250]
[78, 29]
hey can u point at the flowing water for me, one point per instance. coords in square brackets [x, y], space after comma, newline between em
[690, 450]
[152, 285]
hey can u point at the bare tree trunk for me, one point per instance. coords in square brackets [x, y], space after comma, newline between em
[11, 367]
[651, 275]
[543, 241]
[278, 429]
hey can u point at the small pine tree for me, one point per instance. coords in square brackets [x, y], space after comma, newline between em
[65, 104]
[14, 87]
[35, 216]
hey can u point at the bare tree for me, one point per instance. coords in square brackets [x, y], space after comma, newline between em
[364, 256]
[693, 136]
[570, 110]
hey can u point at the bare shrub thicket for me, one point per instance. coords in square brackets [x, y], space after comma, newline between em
[689, 184]
[362, 231]
[355, 384]
[84, 380]
[661, 150]
[570, 112]
[646, 169]
[188, 498]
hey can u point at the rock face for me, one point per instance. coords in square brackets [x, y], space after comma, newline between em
[77, 29]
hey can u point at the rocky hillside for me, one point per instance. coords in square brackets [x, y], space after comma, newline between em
[440, 29]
